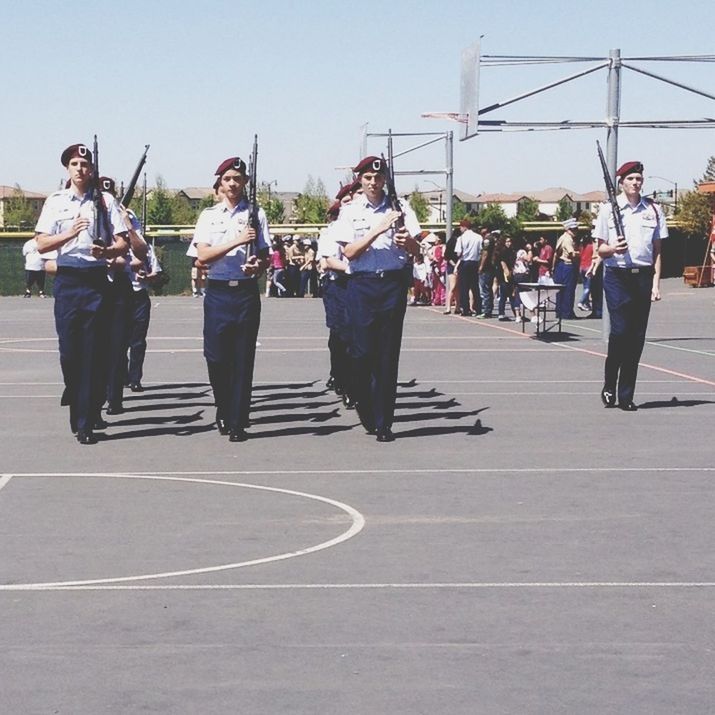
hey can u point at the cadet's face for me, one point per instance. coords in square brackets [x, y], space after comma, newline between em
[372, 183]
[232, 185]
[79, 170]
[632, 185]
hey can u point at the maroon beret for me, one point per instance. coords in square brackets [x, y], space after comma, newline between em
[465, 223]
[234, 162]
[344, 191]
[107, 184]
[371, 163]
[334, 210]
[74, 150]
[630, 167]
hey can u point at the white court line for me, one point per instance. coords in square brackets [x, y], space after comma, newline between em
[321, 349]
[453, 393]
[4, 479]
[468, 585]
[301, 472]
[655, 344]
[356, 526]
[192, 380]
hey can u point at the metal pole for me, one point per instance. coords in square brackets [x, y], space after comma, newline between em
[613, 115]
[613, 111]
[449, 147]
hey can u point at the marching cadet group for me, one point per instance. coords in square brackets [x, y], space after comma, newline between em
[102, 307]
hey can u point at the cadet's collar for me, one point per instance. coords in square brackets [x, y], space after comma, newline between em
[623, 201]
[240, 206]
[379, 205]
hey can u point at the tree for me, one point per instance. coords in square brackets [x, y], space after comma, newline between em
[181, 211]
[694, 214]
[709, 174]
[273, 207]
[564, 210]
[528, 209]
[159, 207]
[18, 210]
[207, 202]
[493, 217]
[311, 205]
[459, 210]
[419, 205]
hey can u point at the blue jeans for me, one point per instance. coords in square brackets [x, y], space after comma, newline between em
[586, 295]
[486, 279]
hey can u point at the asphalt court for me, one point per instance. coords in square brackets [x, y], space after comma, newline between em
[517, 549]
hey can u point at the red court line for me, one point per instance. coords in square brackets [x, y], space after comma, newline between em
[657, 368]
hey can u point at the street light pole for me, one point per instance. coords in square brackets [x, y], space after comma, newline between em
[675, 191]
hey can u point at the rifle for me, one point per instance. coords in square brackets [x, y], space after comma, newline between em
[611, 191]
[253, 221]
[129, 193]
[100, 211]
[392, 191]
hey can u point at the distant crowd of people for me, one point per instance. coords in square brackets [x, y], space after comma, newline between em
[473, 272]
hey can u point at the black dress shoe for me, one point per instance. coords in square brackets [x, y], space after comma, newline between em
[237, 435]
[136, 387]
[330, 384]
[115, 408]
[608, 398]
[348, 402]
[339, 390]
[99, 423]
[628, 406]
[385, 435]
[222, 427]
[86, 437]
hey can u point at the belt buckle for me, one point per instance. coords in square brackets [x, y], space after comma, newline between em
[635, 270]
[380, 274]
[232, 284]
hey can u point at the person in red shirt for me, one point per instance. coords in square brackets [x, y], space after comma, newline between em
[585, 268]
[544, 257]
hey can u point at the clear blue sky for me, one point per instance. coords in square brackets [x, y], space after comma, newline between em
[197, 80]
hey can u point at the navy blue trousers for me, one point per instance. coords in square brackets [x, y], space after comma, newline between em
[566, 273]
[376, 311]
[141, 312]
[120, 307]
[232, 316]
[80, 321]
[628, 300]
[336, 318]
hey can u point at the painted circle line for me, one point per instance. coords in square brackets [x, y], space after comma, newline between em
[356, 526]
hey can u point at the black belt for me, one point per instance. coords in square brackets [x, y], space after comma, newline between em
[631, 269]
[233, 285]
[379, 275]
[70, 271]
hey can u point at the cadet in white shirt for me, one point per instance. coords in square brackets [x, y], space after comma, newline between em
[232, 306]
[378, 241]
[631, 281]
[67, 226]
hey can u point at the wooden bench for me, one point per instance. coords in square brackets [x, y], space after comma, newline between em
[697, 276]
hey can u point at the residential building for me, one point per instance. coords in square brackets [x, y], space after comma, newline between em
[35, 201]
